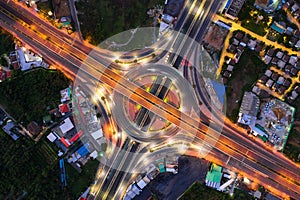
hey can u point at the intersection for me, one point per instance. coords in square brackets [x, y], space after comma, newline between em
[247, 158]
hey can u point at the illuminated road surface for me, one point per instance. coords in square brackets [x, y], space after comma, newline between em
[138, 96]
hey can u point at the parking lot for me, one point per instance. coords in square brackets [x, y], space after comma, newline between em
[167, 186]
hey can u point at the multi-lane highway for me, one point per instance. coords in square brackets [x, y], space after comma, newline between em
[261, 165]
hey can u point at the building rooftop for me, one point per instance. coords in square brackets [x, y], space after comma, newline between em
[239, 35]
[277, 28]
[271, 52]
[65, 95]
[269, 83]
[173, 7]
[275, 119]
[66, 126]
[250, 104]
[213, 176]
[274, 76]
[263, 79]
[34, 128]
[279, 54]
[268, 73]
[83, 151]
[51, 137]
[268, 5]
[234, 8]
[64, 108]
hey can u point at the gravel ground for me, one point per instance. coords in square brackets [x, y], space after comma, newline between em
[167, 186]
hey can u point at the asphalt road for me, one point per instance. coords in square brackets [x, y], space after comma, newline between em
[174, 112]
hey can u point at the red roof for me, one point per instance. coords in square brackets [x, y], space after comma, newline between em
[77, 136]
[82, 198]
[64, 108]
[8, 72]
[64, 141]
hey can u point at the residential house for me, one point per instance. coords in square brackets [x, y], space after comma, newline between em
[271, 52]
[34, 128]
[263, 79]
[288, 68]
[274, 76]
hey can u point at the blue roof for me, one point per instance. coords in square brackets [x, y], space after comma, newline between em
[82, 151]
[276, 28]
[228, 4]
[62, 172]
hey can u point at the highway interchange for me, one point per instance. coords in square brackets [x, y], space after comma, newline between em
[231, 149]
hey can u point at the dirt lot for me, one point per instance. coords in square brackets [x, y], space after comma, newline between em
[61, 8]
[215, 37]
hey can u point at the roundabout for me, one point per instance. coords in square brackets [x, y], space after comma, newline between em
[167, 84]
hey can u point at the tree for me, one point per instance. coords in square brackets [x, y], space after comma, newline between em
[99, 115]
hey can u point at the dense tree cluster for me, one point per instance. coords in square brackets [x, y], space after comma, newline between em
[6, 45]
[292, 147]
[25, 170]
[6, 42]
[28, 96]
[102, 19]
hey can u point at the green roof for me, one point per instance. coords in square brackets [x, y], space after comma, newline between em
[161, 168]
[216, 168]
[215, 174]
[264, 138]
[161, 165]
[66, 23]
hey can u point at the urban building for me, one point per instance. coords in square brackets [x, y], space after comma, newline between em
[268, 5]
[249, 108]
[233, 8]
[213, 176]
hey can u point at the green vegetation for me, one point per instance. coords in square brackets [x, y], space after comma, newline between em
[28, 168]
[250, 20]
[6, 45]
[32, 169]
[78, 183]
[45, 6]
[240, 194]
[200, 191]
[102, 19]
[142, 37]
[251, 65]
[28, 96]
[296, 104]
[255, 28]
[292, 147]
[6, 42]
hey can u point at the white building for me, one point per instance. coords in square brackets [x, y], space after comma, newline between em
[66, 126]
